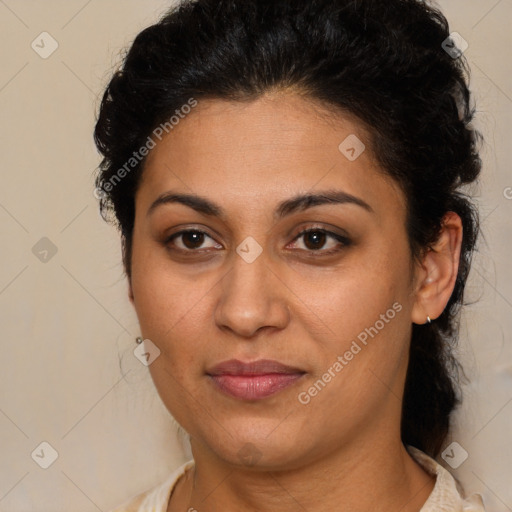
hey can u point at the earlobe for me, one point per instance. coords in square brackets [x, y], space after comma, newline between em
[438, 272]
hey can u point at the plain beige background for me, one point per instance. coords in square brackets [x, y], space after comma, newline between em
[66, 324]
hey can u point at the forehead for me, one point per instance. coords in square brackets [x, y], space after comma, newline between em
[270, 148]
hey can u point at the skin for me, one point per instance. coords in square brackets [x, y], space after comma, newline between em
[293, 304]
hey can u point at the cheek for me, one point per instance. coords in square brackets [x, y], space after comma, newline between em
[166, 300]
[172, 310]
[179, 391]
[364, 313]
[347, 299]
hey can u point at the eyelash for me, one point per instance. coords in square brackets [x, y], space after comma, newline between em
[344, 241]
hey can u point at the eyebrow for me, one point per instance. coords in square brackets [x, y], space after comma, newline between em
[298, 203]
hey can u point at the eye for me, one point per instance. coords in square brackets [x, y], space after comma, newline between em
[320, 240]
[192, 240]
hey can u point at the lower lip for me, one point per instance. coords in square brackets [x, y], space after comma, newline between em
[254, 387]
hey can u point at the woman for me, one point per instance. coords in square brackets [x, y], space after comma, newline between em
[286, 176]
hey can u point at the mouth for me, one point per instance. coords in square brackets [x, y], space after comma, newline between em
[254, 380]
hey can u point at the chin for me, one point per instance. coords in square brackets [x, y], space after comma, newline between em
[257, 444]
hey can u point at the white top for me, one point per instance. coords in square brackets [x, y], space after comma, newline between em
[445, 496]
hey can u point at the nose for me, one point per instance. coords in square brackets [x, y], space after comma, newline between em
[252, 299]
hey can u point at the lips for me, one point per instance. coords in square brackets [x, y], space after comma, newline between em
[253, 380]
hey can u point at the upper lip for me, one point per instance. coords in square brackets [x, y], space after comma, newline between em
[259, 367]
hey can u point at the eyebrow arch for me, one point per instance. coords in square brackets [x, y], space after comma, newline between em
[305, 201]
[298, 203]
[200, 204]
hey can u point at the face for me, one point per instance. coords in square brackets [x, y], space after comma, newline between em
[272, 270]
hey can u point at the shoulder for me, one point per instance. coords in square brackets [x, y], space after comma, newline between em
[447, 495]
[157, 498]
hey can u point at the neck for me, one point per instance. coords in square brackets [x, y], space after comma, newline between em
[362, 477]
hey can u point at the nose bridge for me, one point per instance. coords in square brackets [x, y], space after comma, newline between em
[249, 276]
[251, 296]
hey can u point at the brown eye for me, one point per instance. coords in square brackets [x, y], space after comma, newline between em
[192, 240]
[315, 240]
[321, 241]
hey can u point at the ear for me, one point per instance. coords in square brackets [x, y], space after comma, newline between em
[130, 291]
[438, 271]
